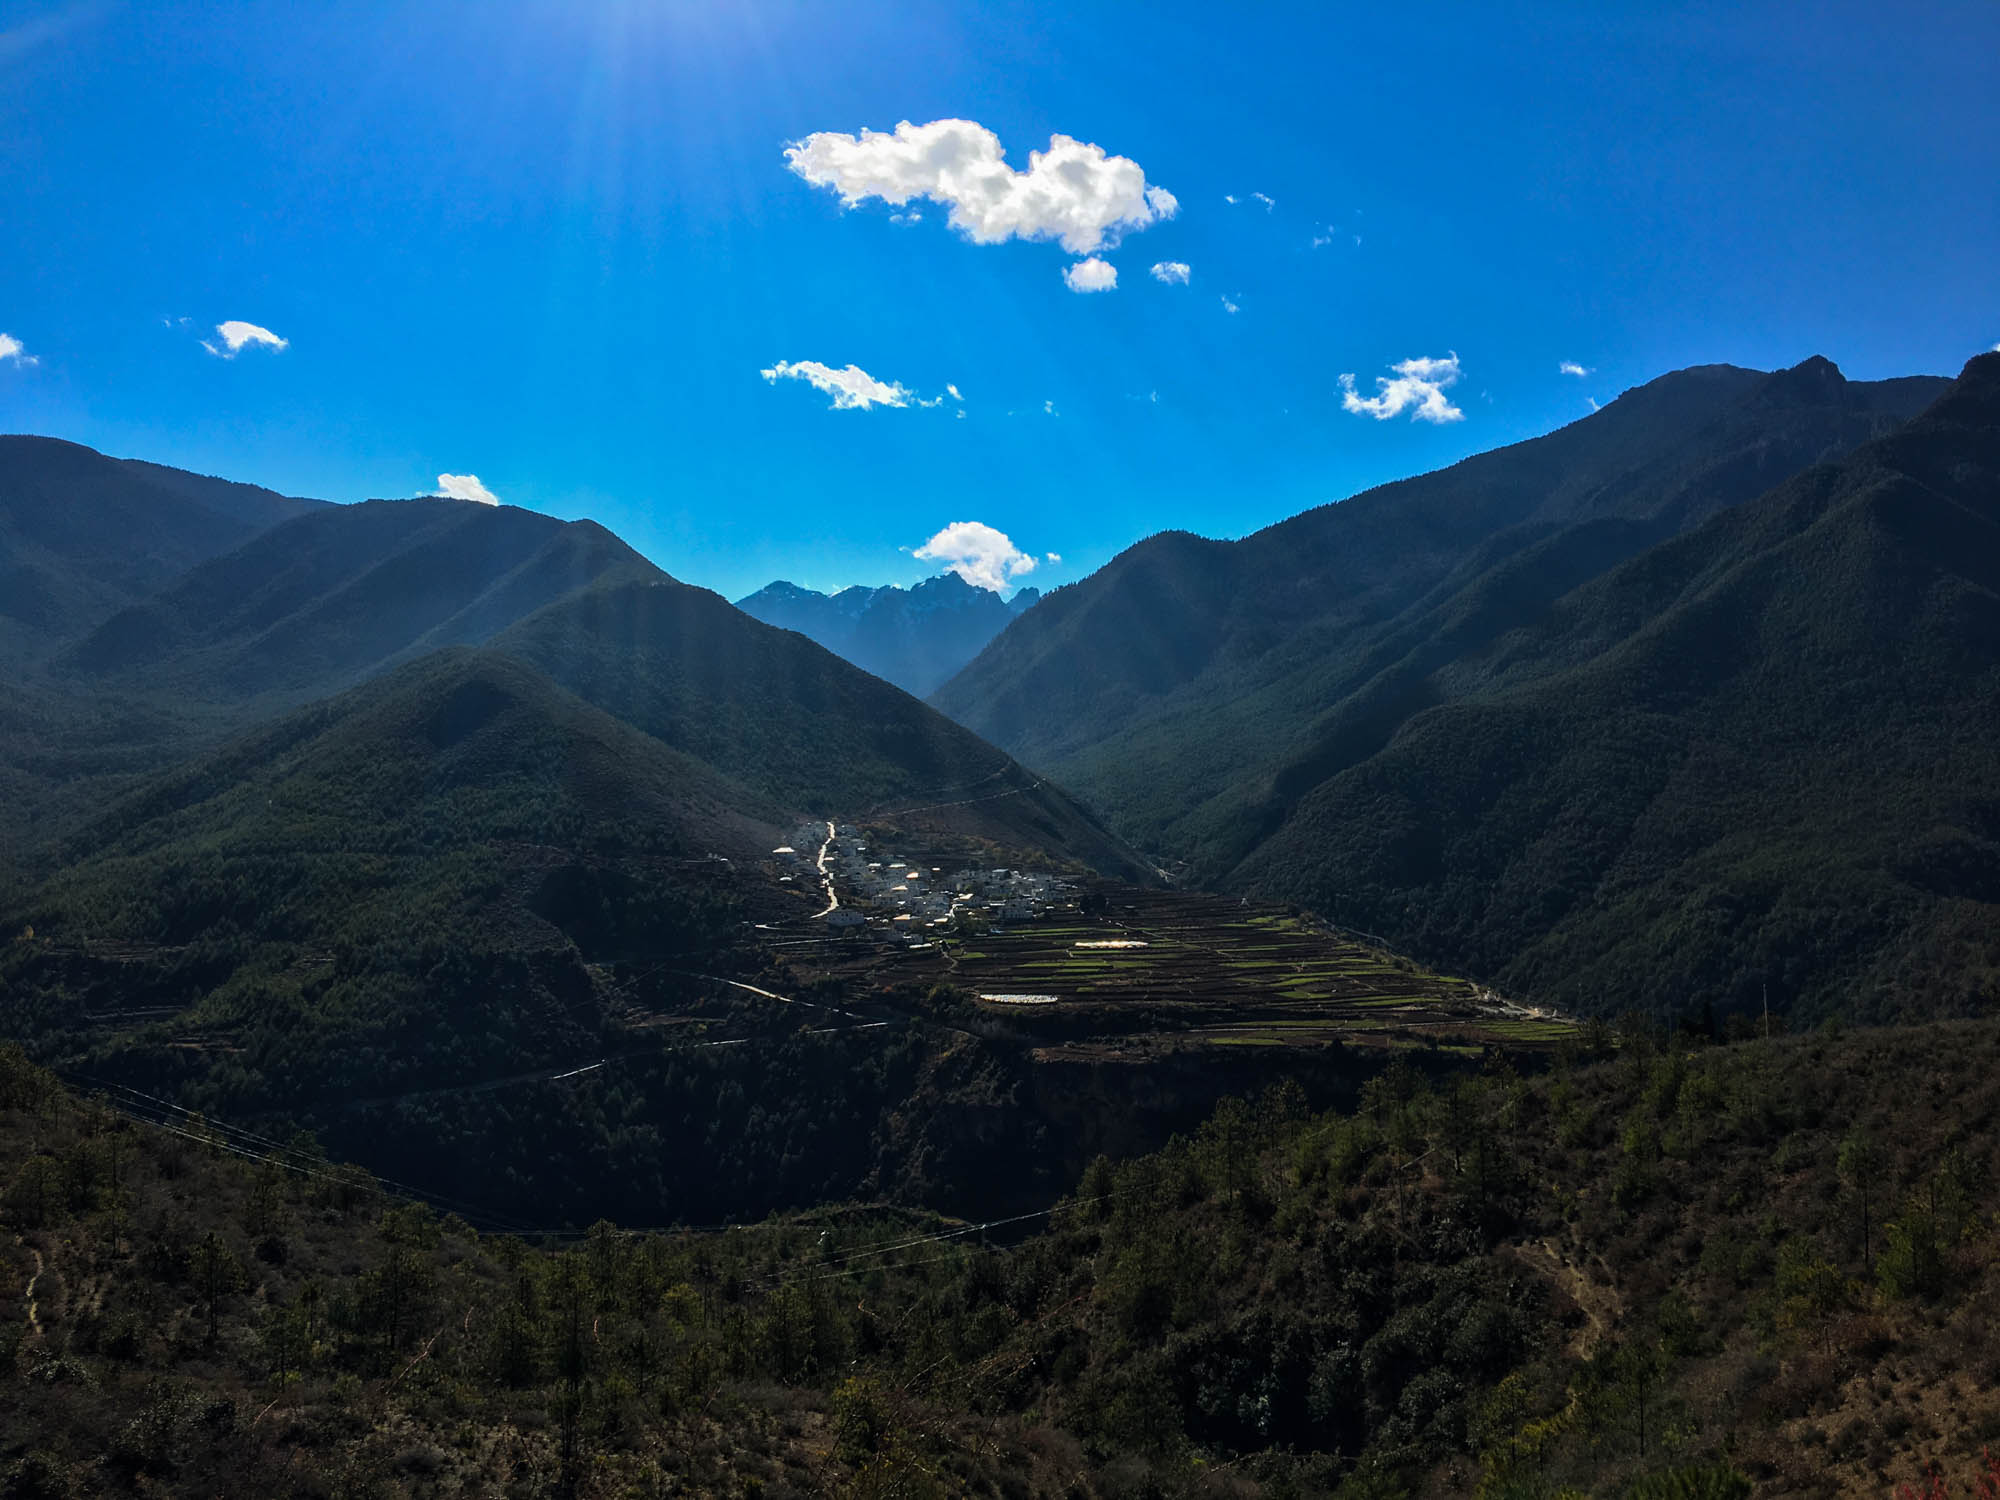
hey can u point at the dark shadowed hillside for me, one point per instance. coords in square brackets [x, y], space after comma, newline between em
[1681, 1273]
[393, 889]
[82, 535]
[1759, 758]
[335, 596]
[916, 638]
[795, 721]
[1169, 688]
[341, 594]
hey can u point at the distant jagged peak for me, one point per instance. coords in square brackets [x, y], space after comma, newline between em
[782, 588]
[943, 591]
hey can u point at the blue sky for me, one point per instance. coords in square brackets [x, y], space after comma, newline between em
[554, 245]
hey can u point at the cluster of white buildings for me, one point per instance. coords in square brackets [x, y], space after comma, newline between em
[906, 901]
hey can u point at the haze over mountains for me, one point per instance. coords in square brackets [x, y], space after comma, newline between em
[916, 638]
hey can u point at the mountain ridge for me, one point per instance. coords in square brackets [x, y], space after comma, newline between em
[916, 638]
[1748, 758]
[62, 570]
[1172, 686]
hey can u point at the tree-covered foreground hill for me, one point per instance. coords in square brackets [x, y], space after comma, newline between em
[1681, 1270]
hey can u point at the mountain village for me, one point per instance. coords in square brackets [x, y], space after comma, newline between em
[904, 901]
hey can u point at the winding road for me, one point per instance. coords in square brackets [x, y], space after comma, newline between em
[826, 875]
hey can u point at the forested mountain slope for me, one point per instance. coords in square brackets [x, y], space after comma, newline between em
[340, 594]
[358, 872]
[82, 535]
[335, 596]
[1172, 686]
[1759, 758]
[1674, 1273]
[790, 718]
[916, 638]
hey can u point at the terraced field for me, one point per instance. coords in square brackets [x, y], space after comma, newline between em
[1157, 968]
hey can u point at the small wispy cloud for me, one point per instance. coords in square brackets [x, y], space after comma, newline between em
[1049, 409]
[1418, 388]
[1230, 307]
[12, 352]
[1073, 192]
[465, 487]
[1091, 275]
[1054, 559]
[982, 555]
[18, 41]
[1571, 367]
[237, 336]
[952, 391]
[1267, 200]
[852, 388]
[1172, 272]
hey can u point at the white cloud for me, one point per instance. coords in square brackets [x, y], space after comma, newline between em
[1172, 272]
[911, 217]
[852, 389]
[1267, 200]
[1418, 388]
[1571, 367]
[1230, 307]
[1593, 403]
[1049, 409]
[1230, 198]
[1054, 559]
[1091, 275]
[465, 487]
[952, 391]
[12, 349]
[1072, 192]
[976, 552]
[237, 336]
